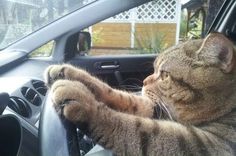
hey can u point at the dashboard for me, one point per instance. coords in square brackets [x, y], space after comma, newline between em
[26, 97]
[27, 94]
[25, 86]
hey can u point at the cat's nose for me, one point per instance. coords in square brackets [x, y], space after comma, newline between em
[148, 80]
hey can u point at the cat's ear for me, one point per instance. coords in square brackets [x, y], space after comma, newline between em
[217, 49]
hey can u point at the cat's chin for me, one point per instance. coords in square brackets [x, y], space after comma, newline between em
[146, 93]
[149, 94]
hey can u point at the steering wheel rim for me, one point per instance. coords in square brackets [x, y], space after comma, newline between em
[56, 137]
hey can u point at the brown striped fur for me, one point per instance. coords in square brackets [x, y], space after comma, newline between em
[193, 83]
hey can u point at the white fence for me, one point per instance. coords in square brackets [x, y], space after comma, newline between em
[162, 11]
[157, 11]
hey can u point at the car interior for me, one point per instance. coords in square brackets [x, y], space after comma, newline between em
[28, 124]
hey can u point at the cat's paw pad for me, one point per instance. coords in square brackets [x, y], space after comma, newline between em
[72, 100]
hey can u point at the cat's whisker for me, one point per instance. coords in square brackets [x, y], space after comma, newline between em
[131, 87]
[158, 103]
[166, 110]
[158, 111]
[132, 80]
[161, 110]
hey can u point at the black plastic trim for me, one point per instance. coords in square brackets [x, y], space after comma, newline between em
[221, 15]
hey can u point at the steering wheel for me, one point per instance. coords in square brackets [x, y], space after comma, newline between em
[57, 136]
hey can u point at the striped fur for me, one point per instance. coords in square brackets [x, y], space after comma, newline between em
[193, 85]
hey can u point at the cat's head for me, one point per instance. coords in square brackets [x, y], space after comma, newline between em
[194, 80]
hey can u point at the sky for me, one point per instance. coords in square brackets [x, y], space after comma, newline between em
[184, 1]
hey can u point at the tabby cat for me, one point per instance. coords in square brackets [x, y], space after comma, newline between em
[193, 82]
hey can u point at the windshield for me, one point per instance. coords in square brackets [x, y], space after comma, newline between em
[19, 18]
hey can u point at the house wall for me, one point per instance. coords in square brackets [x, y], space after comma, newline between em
[118, 35]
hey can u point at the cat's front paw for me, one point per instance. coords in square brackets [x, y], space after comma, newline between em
[53, 73]
[72, 100]
[65, 71]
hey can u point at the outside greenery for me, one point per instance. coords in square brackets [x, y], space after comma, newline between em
[183, 25]
[192, 28]
[43, 51]
[151, 41]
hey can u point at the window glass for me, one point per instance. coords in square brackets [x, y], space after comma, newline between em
[19, 18]
[44, 51]
[149, 28]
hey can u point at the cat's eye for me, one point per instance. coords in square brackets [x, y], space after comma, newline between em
[164, 75]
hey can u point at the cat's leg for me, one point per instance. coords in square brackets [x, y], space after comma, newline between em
[115, 99]
[127, 134]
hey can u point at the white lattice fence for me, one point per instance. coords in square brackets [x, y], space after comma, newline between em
[155, 11]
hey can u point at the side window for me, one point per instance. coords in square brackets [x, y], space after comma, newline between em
[149, 28]
[44, 51]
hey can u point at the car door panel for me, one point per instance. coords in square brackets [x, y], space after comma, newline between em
[125, 71]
